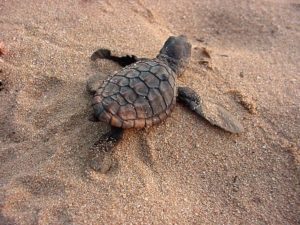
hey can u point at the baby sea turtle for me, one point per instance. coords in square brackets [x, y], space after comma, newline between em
[144, 93]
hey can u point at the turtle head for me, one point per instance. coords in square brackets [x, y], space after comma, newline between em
[176, 52]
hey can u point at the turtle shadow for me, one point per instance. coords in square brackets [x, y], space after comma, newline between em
[144, 153]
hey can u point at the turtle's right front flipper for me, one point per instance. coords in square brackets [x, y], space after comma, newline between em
[212, 112]
[121, 60]
[101, 152]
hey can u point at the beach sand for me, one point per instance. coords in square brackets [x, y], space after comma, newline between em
[183, 171]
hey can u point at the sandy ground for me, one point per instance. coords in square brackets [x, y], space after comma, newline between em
[183, 171]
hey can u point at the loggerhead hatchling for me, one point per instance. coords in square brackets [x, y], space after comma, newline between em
[144, 92]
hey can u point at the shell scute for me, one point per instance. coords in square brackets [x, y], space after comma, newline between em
[128, 94]
[150, 80]
[143, 108]
[139, 86]
[127, 112]
[156, 101]
[110, 105]
[110, 89]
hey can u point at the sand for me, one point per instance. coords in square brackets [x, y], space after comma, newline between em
[184, 171]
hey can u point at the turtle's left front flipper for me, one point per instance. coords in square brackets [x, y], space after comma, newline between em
[103, 53]
[212, 112]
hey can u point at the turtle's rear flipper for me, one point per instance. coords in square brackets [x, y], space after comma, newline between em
[121, 60]
[100, 155]
[212, 112]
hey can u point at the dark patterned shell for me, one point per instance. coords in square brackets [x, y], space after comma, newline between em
[139, 95]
